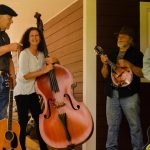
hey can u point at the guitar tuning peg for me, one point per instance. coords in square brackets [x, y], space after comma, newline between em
[6, 83]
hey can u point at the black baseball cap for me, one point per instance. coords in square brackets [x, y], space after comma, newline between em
[5, 10]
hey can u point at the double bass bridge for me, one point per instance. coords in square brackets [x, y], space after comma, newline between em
[59, 104]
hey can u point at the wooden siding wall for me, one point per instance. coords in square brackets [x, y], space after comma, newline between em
[111, 15]
[64, 38]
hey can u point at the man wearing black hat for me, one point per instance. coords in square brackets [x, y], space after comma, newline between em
[6, 63]
[122, 87]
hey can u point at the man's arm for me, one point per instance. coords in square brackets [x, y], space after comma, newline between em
[9, 47]
[104, 70]
[135, 69]
[4, 49]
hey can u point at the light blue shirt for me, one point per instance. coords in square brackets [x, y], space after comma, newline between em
[146, 64]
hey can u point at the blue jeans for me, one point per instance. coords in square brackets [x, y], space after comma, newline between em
[115, 106]
[4, 97]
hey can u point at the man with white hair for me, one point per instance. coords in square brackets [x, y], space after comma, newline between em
[122, 91]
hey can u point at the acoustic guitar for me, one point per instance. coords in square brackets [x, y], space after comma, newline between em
[121, 76]
[10, 129]
[147, 146]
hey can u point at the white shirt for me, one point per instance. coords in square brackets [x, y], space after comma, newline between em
[27, 63]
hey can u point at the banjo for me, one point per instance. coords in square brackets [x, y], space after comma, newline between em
[121, 76]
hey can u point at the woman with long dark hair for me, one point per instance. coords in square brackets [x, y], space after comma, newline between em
[31, 65]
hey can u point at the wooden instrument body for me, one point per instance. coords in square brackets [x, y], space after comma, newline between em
[9, 128]
[78, 123]
[121, 76]
[14, 143]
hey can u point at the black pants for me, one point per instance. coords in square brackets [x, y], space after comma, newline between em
[26, 103]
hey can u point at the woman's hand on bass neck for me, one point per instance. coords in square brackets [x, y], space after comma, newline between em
[51, 60]
[47, 68]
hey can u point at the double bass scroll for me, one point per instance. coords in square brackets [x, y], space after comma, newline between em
[65, 122]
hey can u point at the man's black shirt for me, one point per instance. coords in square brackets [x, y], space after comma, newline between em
[4, 59]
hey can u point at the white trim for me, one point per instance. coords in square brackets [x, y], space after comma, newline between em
[89, 64]
[144, 28]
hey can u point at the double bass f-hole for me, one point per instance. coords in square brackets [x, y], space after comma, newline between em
[78, 106]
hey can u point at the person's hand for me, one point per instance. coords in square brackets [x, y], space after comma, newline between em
[104, 59]
[51, 60]
[15, 47]
[47, 68]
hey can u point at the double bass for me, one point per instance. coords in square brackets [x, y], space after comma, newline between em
[65, 122]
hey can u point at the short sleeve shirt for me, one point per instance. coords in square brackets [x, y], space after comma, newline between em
[4, 59]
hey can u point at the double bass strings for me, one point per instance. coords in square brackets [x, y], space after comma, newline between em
[53, 81]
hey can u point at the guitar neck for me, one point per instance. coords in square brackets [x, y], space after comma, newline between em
[99, 50]
[10, 110]
[111, 64]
